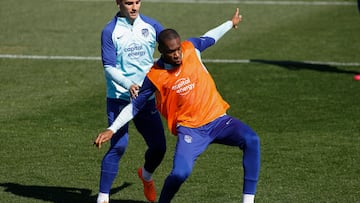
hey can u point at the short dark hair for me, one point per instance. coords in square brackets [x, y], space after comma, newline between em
[167, 34]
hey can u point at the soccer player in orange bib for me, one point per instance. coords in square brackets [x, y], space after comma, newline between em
[187, 97]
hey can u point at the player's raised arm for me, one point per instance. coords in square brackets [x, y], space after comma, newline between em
[213, 35]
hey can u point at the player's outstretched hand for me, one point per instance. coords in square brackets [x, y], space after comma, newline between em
[236, 19]
[103, 137]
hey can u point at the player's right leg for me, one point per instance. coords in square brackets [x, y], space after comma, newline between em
[231, 131]
[118, 144]
[149, 124]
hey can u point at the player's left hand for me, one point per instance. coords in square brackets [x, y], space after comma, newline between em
[103, 137]
[236, 19]
[134, 91]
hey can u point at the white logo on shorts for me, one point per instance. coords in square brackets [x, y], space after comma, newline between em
[228, 122]
[188, 139]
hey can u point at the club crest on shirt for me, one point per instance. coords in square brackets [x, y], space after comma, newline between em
[145, 32]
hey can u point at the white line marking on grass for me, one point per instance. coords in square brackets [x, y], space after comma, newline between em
[97, 58]
[87, 58]
[314, 3]
[323, 3]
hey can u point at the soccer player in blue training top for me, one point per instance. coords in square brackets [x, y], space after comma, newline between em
[128, 42]
[195, 111]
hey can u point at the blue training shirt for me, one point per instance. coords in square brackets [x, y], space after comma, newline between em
[127, 53]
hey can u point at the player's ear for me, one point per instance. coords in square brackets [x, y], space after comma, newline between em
[118, 3]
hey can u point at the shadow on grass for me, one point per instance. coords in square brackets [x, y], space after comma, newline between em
[296, 65]
[60, 194]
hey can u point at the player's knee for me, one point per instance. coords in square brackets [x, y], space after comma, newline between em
[110, 163]
[180, 175]
[158, 148]
[161, 150]
[252, 140]
[116, 151]
[155, 155]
